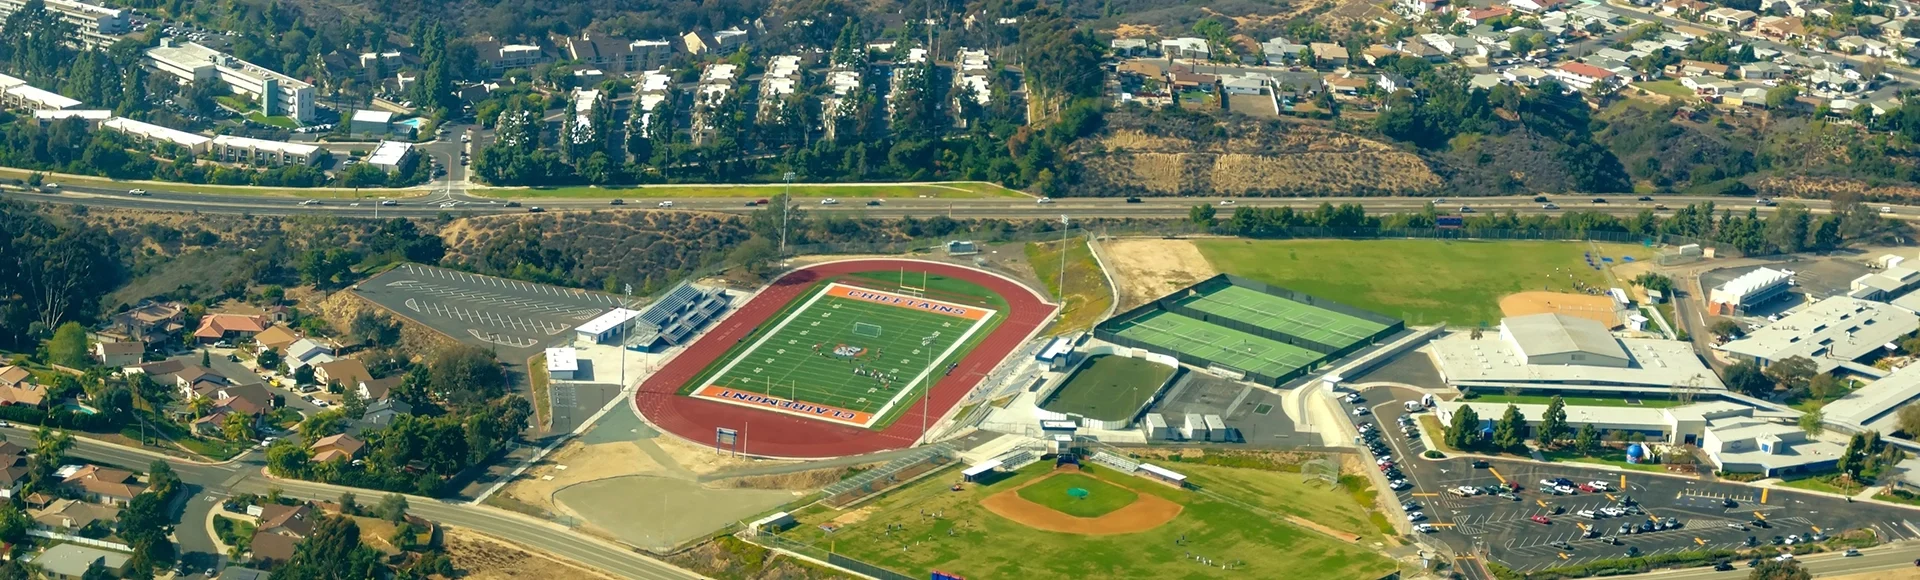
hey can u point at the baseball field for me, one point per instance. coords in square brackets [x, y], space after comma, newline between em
[1420, 281]
[927, 526]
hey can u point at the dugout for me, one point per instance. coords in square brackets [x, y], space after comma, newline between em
[982, 471]
[1162, 475]
[771, 524]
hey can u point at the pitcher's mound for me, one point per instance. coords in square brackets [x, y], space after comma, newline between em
[1597, 308]
[1146, 512]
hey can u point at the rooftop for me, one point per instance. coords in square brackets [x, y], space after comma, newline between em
[1831, 331]
[389, 152]
[562, 360]
[42, 98]
[152, 131]
[1652, 366]
[1874, 406]
[266, 145]
[372, 116]
[1751, 282]
[1553, 333]
[72, 560]
[608, 321]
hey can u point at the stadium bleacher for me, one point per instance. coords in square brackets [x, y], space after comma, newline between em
[674, 317]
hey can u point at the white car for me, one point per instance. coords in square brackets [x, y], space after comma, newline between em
[1469, 490]
[1566, 489]
[1549, 483]
[1424, 528]
[310, 202]
[1600, 485]
[389, 202]
[829, 201]
[665, 204]
[1226, 202]
[1416, 516]
[1783, 558]
[1590, 514]
[140, 192]
[1398, 484]
[1361, 411]
[49, 186]
[1044, 200]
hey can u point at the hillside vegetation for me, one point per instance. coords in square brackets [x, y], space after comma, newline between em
[1172, 152]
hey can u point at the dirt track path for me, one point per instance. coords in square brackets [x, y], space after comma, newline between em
[1146, 513]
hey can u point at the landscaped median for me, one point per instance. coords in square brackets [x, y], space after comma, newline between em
[67, 180]
[954, 190]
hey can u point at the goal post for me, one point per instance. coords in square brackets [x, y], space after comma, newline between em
[866, 329]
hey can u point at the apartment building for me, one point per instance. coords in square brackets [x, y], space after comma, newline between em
[845, 85]
[715, 84]
[499, 57]
[97, 25]
[972, 78]
[277, 94]
[617, 55]
[250, 151]
[782, 78]
[17, 94]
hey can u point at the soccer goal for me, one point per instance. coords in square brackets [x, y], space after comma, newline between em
[866, 329]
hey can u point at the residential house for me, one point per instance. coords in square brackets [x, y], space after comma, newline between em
[73, 561]
[69, 515]
[1376, 55]
[306, 351]
[1536, 6]
[194, 379]
[1420, 6]
[1328, 54]
[378, 389]
[239, 573]
[1186, 47]
[1344, 84]
[119, 354]
[1130, 47]
[13, 376]
[499, 57]
[277, 336]
[13, 468]
[1731, 18]
[1485, 81]
[252, 401]
[104, 485]
[382, 413]
[345, 371]
[1392, 82]
[1418, 47]
[1478, 16]
[1582, 76]
[229, 327]
[1280, 50]
[1253, 84]
[1696, 68]
[288, 520]
[342, 447]
[1781, 28]
[1762, 70]
[161, 372]
[269, 549]
[1883, 105]
[725, 41]
[1684, 7]
[151, 322]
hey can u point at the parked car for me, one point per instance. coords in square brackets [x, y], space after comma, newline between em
[1599, 485]
[1399, 484]
[1481, 464]
[1415, 516]
[1361, 411]
[1541, 520]
[1424, 528]
[1410, 505]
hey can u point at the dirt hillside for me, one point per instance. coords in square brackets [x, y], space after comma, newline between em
[1197, 155]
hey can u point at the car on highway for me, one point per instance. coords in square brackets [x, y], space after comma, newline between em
[1599, 200]
[1851, 552]
[762, 201]
[1783, 558]
[536, 209]
[310, 202]
[617, 201]
[664, 204]
[1886, 209]
[509, 204]
[1646, 198]
[1466, 209]
[1763, 202]
[1133, 200]
[1722, 566]
[1660, 206]
[1542, 520]
[873, 202]
[829, 201]
[49, 185]
[1226, 202]
[139, 192]
[1539, 199]
[389, 202]
[1549, 206]
[1044, 200]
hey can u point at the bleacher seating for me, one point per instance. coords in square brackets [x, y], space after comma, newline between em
[1124, 465]
[676, 315]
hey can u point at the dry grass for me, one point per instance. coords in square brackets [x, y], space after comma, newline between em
[1148, 268]
[1140, 141]
[800, 481]
[1247, 157]
[1136, 31]
[1822, 188]
[703, 460]
[485, 558]
[1160, 172]
[1239, 173]
[584, 463]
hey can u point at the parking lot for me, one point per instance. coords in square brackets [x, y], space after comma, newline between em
[1708, 514]
[510, 314]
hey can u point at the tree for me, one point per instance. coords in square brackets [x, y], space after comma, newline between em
[303, 375]
[1747, 378]
[1553, 424]
[287, 459]
[269, 358]
[393, 508]
[1782, 96]
[754, 255]
[1587, 441]
[1770, 569]
[1507, 431]
[1793, 372]
[206, 359]
[332, 552]
[468, 376]
[145, 524]
[324, 423]
[1656, 282]
[98, 571]
[349, 504]
[68, 347]
[52, 444]
[200, 406]
[1461, 434]
[162, 479]
[1201, 214]
[1725, 329]
[1825, 386]
[1811, 422]
[237, 427]
[1908, 419]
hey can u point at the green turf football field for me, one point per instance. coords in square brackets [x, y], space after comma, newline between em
[784, 363]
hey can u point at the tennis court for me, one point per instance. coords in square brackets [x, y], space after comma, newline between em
[847, 354]
[1320, 325]
[1222, 345]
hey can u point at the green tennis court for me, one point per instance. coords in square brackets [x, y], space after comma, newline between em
[1264, 310]
[1222, 345]
[847, 353]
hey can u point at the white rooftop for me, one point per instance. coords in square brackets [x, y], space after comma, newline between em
[42, 98]
[372, 116]
[87, 114]
[1874, 406]
[1653, 366]
[563, 359]
[605, 322]
[266, 145]
[1832, 331]
[1750, 282]
[151, 131]
[389, 153]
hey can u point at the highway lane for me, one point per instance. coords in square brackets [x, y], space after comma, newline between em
[1876, 559]
[243, 475]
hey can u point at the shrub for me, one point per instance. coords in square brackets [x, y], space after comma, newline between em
[1434, 454]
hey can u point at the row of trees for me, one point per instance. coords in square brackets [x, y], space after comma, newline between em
[1509, 432]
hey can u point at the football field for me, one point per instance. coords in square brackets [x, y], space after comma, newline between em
[847, 354]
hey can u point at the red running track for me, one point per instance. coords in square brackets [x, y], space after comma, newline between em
[771, 434]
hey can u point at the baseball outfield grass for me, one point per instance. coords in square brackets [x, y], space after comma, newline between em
[1420, 281]
[899, 530]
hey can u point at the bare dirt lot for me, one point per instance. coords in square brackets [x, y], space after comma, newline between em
[583, 463]
[1596, 308]
[704, 460]
[1148, 268]
[484, 558]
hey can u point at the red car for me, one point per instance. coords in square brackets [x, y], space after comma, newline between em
[1541, 519]
[1386, 465]
[1588, 488]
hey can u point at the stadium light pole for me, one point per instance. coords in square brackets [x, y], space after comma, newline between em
[786, 211]
[1064, 226]
[628, 299]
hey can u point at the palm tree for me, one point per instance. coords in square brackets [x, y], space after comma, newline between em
[200, 406]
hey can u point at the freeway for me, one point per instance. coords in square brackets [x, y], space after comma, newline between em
[244, 474]
[451, 198]
[1877, 559]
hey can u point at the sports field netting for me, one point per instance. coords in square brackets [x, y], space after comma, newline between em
[1219, 344]
[849, 350]
[1264, 310]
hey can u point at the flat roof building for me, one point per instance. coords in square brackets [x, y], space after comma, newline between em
[1834, 333]
[250, 151]
[93, 117]
[140, 130]
[390, 154]
[1568, 354]
[1873, 407]
[370, 122]
[562, 363]
[275, 93]
[97, 25]
[1750, 289]
[31, 98]
[608, 326]
[1885, 285]
[1736, 437]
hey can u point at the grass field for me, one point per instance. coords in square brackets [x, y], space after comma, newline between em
[1268, 311]
[1219, 344]
[984, 545]
[848, 353]
[163, 186]
[1420, 281]
[1101, 497]
[1669, 88]
[1088, 296]
[1109, 388]
[1581, 401]
[960, 189]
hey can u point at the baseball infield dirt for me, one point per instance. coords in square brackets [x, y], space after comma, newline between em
[1145, 513]
[1597, 308]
